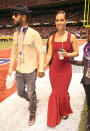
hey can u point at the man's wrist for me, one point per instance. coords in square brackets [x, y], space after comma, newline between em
[9, 73]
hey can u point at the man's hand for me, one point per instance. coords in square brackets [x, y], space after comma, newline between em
[9, 74]
[40, 74]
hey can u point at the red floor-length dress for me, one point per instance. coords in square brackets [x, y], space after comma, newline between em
[60, 74]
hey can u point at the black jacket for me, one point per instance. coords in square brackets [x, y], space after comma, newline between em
[84, 63]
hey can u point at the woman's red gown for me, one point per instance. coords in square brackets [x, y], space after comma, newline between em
[60, 74]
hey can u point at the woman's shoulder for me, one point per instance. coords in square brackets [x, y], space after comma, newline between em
[53, 35]
[70, 33]
[73, 36]
[50, 38]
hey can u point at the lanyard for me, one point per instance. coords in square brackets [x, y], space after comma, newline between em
[21, 46]
[24, 31]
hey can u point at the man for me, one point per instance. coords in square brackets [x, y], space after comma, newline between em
[27, 45]
[86, 74]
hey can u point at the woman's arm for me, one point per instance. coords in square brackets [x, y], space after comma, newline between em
[74, 47]
[49, 53]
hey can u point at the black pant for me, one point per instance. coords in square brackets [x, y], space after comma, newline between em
[87, 91]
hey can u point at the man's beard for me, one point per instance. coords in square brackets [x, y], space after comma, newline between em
[17, 24]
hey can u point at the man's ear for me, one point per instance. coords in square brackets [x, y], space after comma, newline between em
[24, 17]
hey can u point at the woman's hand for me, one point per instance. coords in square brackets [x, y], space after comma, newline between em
[64, 53]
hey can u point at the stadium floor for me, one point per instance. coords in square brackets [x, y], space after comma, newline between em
[14, 111]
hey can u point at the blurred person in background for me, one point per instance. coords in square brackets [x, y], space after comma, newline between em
[60, 72]
[86, 74]
[27, 45]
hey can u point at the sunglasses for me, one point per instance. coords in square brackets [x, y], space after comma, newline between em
[17, 14]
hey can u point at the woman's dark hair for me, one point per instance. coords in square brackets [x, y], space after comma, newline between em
[61, 12]
[54, 31]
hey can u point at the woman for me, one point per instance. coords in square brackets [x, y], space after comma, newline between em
[86, 74]
[60, 70]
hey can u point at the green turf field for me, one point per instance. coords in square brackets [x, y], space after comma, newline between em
[5, 44]
[83, 121]
[8, 44]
